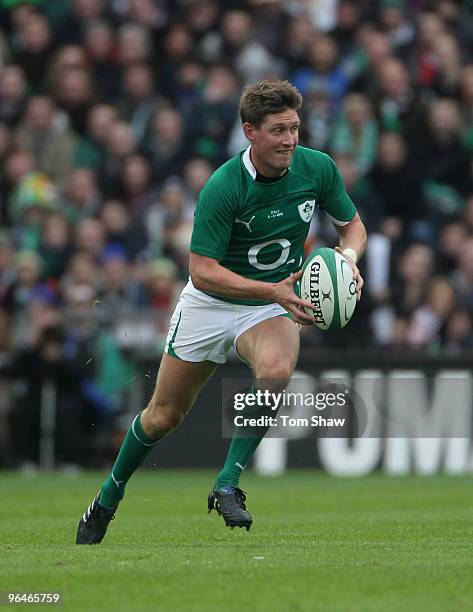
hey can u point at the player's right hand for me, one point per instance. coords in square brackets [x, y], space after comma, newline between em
[284, 294]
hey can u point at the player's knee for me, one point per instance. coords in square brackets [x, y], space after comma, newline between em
[165, 421]
[277, 370]
[163, 418]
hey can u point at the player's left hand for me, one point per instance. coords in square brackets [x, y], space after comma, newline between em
[356, 273]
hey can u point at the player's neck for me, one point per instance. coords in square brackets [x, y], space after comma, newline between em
[265, 173]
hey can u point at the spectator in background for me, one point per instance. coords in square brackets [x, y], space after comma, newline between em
[321, 14]
[13, 93]
[294, 43]
[136, 185]
[318, 118]
[269, 23]
[138, 99]
[74, 93]
[236, 44]
[81, 269]
[17, 298]
[166, 221]
[348, 23]
[17, 164]
[409, 287]
[162, 287]
[176, 47]
[150, 15]
[55, 248]
[33, 197]
[399, 107]
[65, 58]
[91, 148]
[325, 71]
[51, 144]
[120, 293]
[47, 362]
[440, 153]
[107, 372]
[82, 198]
[19, 13]
[394, 189]
[80, 315]
[100, 49]
[356, 133]
[133, 45]
[166, 146]
[201, 17]
[189, 80]
[446, 82]
[123, 231]
[423, 61]
[35, 49]
[119, 145]
[458, 333]
[217, 107]
[452, 236]
[457, 19]
[427, 321]
[196, 172]
[400, 29]
[89, 237]
[80, 14]
[375, 49]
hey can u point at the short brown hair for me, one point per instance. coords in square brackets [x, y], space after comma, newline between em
[266, 97]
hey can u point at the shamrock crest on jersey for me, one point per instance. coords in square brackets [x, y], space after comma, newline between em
[306, 210]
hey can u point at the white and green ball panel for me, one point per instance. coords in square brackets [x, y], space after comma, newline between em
[327, 282]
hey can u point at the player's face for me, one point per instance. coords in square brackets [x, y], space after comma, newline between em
[273, 143]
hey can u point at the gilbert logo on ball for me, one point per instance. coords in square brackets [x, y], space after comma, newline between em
[327, 282]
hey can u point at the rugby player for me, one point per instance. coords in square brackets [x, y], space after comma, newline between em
[246, 253]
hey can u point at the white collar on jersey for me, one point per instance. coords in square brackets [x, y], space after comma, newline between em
[248, 163]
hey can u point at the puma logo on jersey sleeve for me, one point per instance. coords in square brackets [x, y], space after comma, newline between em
[246, 223]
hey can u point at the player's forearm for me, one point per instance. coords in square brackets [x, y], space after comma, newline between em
[221, 281]
[353, 236]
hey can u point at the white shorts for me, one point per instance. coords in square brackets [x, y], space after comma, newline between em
[204, 328]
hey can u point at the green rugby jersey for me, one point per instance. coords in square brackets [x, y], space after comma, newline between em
[257, 229]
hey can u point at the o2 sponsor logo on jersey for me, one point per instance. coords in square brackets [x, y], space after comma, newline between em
[253, 254]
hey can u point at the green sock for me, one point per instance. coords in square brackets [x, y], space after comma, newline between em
[244, 443]
[135, 448]
[239, 453]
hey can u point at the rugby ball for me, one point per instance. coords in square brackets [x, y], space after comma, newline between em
[327, 282]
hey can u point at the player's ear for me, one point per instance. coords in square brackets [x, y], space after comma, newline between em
[249, 131]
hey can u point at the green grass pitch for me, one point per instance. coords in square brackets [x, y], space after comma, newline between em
[317, 543]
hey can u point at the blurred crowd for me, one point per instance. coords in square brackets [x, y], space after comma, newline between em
[113, 114]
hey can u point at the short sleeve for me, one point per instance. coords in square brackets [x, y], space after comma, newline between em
[213, 220]
[334, 200]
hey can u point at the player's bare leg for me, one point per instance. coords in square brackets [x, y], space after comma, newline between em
[271, 349]
[177, 386]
